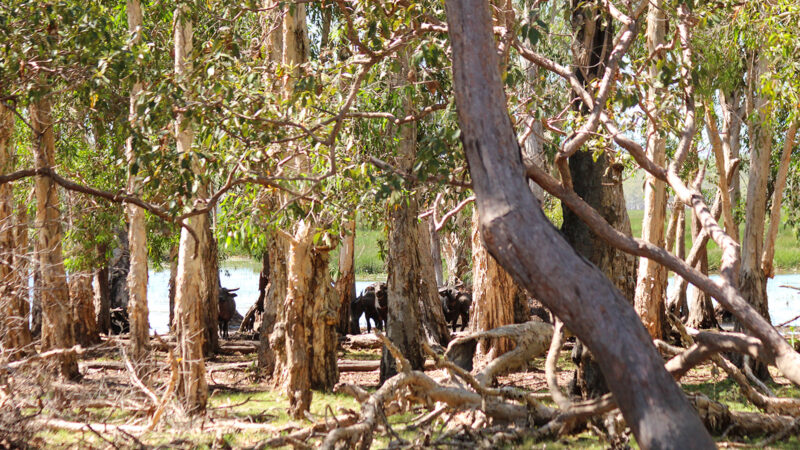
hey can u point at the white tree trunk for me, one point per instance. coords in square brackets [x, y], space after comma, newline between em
[777, 199]
[190, 283]
[137, 233]
[651, 284]
[346, 284]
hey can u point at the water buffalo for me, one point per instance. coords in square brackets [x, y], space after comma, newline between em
[373, 304]
[227, 309]
[455, 304]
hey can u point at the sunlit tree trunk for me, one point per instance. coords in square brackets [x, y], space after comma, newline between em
[346, 284]
[493, 293]
[733, 111]
[701, 310]
[137, 233]
[651, 283]
[15, 336]
[304, 340]
[82, 296]
[436, 251]
[190, 286]
[752, 282]
[456, 248]
[57, 330]
[767, 265]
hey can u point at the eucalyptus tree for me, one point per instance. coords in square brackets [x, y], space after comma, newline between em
[14, 334]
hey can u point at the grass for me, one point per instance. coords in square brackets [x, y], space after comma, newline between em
[787, 245]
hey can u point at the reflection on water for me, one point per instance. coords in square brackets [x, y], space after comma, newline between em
[784, 303]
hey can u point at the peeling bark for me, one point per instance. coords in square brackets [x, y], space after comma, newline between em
[304, 340]
[15, 336]
[57, 330]
[84, 321]
[346, 284]
[519, 235]
[651, 284]
[137, 232]
[190, 283]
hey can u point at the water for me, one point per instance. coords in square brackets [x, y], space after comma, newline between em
[784, 303]
[231, 276]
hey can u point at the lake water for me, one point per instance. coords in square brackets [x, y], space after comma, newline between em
[244, 278]
[784, 303]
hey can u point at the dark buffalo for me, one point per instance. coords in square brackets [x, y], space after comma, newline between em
[373, 304]
[455, 304]
[227, 309]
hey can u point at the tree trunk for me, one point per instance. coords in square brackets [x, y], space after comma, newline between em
[651, 284]
[276, 295]
[520, 236]
[254, 316]
[767, 265]
[304, 339]
[137, 232]
[436, 252]
[102, 301]
[171, 285]
[493, 293]
[732, 112]
[211, 293]
[190, 288]
[57, 331]
[456, 249]
[415, 313]
[36, 300]
[701, 310]
[84, 321]
[15, 337]
[346, 284]
[752, 282]
[119, 267]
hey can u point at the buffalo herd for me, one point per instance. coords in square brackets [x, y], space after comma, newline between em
[373, 303]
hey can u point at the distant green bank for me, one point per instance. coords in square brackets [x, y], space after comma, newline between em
[787, 246]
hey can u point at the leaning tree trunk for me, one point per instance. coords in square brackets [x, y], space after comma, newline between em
[346, 284]
[57, 331]
[520, 236]
[190, 289]
[752, 282]
[137, 232]
[252, 319]
[84, 321]
[493, 294]
[651, 282]
[701, 310]
[767, 259]
[304, 340]
[600, 185]
[430, 305]
[15, 337]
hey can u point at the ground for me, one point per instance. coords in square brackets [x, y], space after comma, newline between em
[244, 410]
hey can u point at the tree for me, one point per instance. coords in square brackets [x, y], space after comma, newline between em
[57, 330]
[190, 283]
[651, 281]
[137, 233]
[541, 260]
[14, 333]
[346, 283]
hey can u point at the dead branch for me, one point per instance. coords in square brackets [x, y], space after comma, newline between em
[173, 381]
[550, 367]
